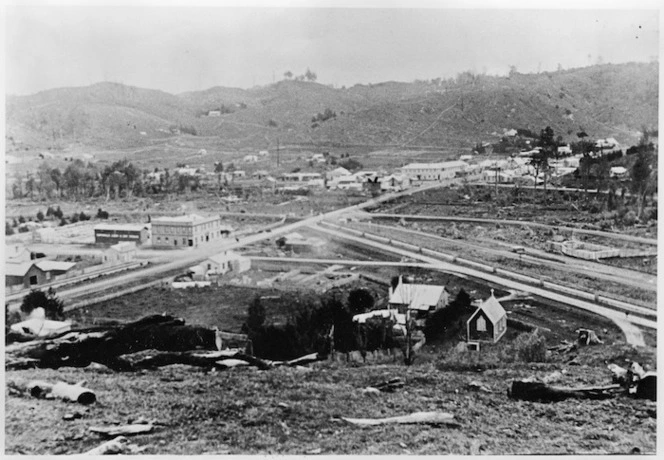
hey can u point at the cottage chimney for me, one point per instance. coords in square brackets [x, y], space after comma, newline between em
[491, 292]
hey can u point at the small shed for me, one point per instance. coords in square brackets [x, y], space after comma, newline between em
[488, 323]
[122, 252]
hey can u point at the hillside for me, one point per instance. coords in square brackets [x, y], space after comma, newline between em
[604, 100]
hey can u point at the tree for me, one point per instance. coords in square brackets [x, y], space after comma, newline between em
[8, 228]
[309, 75]
[288, 74]
[255, 316]
[219, 169]
[30, 185]
[40, 216]
[641, 178]
[53, 307]
[513, 71]
[56, 177]
[540, 160]
[360, 301]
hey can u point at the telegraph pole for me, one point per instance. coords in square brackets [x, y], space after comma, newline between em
[277, 152]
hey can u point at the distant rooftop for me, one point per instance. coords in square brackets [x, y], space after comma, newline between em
[190, 218]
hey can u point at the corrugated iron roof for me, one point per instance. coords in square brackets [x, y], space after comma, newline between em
[417, 296]
[50, 265]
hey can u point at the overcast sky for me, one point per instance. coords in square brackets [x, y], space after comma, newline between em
[179, 49]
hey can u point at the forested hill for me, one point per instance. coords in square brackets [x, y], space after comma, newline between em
[602, 100]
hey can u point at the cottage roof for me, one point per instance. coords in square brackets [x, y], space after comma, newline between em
[17, 269]
[492, 308]
[51, 265]
[400, 318]
[417, 296]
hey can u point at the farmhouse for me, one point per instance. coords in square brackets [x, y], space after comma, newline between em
[187, 231]
[488, 323]
[434, 171]
[421, 297]
[338, 172]
[34, 273]
[117, 233]
[300, 177]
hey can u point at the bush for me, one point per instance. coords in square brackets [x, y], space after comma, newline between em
[53, 307]
[360, 301]
[40, 216]
[8, 229]
[629, 218]
[102, 214]
[83, 216]
[531, 347]
[23, 229]
[445, 322]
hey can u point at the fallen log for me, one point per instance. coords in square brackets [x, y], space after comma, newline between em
[540, 391]
[106, 345]
[431, 418]
[122, 430]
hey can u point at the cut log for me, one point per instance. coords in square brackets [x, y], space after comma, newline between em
[61, 390]
[119, 445]
[431, 418]
[122, 430]
[540, 391]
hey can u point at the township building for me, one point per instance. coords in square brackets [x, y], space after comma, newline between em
[117, 233]
[434, 171]
[187, 231]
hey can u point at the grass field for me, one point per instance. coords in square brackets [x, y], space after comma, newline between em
[295, 411]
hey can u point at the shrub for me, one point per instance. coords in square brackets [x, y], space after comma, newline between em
[40, 216]
[360, 301]
[102, 214]
[21, 219]
[8, 229]
[83, 216]
[53, 307]
[629, 218]
[23, 229]
[531, 347]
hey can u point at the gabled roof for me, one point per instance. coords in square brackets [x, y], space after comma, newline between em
[492, 308]
[51, 265]
[18, 269]
[417, 296]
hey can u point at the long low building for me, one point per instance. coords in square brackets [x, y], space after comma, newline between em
[187, 231]
[434, 171]
[117, 233]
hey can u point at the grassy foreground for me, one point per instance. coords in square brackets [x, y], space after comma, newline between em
[297, 410]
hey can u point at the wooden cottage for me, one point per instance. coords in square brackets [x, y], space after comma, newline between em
[488, 323]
